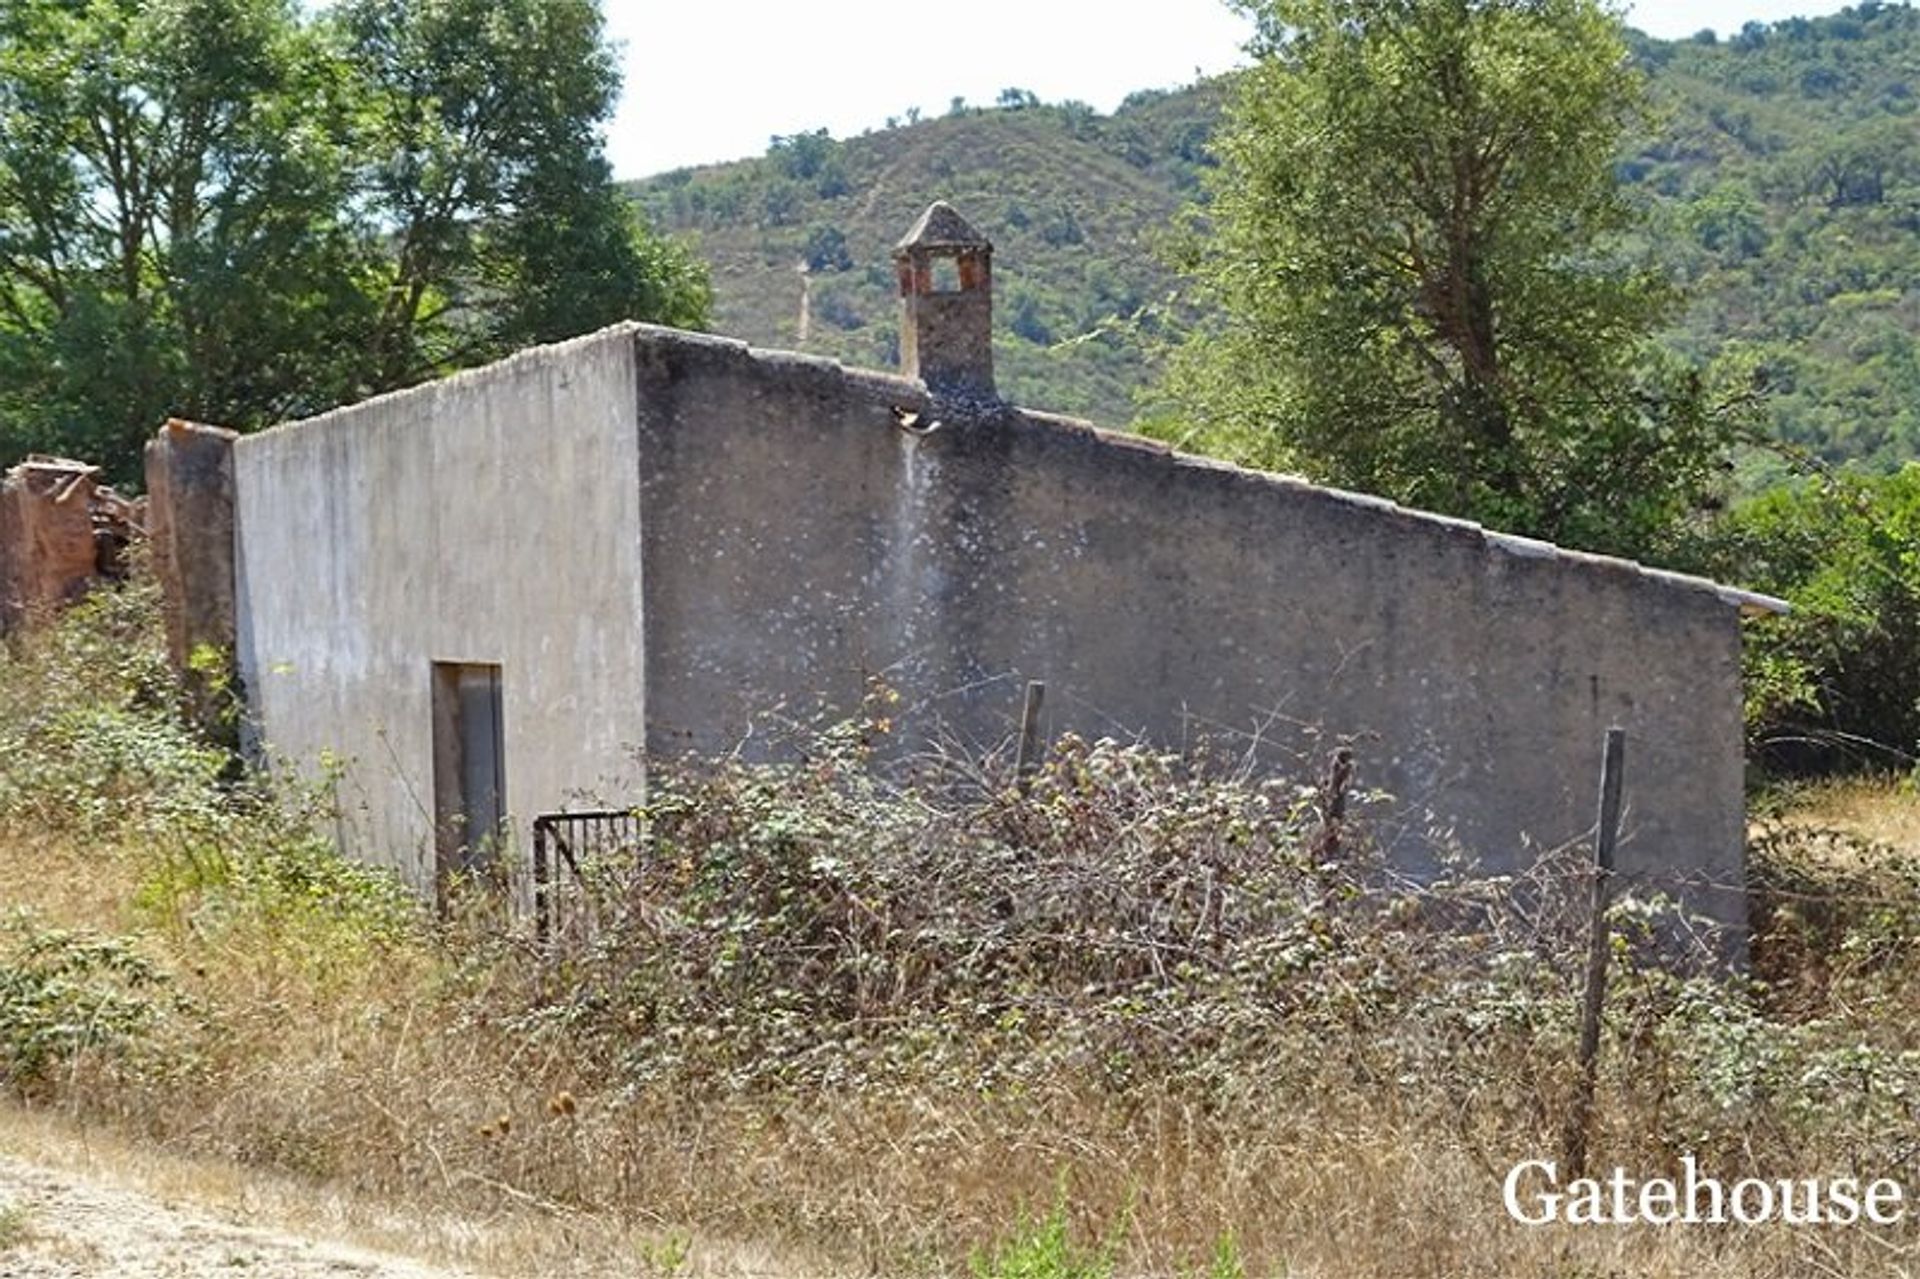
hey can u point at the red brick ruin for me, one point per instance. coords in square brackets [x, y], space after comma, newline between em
[61, 530]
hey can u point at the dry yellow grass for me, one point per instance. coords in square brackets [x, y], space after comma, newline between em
[1881, 810]
[510, 1242]
[343, 1107]
[370, 1080]
[358, 1107]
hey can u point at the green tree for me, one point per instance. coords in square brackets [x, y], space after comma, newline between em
[227, 210]
[1729, 220]
[826, 249]
[1858, 169]
[484, 175]
[1835, 686]
[801, 156]
[1412, 249]
[170, 177]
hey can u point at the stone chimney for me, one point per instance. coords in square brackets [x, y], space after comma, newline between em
[946, 304]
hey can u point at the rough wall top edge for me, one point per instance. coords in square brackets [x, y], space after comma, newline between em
[684, 350]
[551, 353]
[683, 347]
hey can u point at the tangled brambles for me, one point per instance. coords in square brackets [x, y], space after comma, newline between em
[883, 1023]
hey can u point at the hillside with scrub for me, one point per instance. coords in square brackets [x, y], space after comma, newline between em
[1779, 169]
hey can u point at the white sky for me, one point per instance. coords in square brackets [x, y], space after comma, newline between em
[710, 80]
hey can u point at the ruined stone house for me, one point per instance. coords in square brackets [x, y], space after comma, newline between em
[486, 594]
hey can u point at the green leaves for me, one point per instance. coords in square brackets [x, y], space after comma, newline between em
[67, 994]
[1836, 684]
[1421, 286]
[234, 211]
[165, 215]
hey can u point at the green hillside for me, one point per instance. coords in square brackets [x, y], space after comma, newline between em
[1786, 182]
[1783, 179]
[1073, 201]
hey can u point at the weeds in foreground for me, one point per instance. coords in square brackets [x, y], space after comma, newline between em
[66, 995]
[1044, 1248]
[874, 1023]
[16, 1227]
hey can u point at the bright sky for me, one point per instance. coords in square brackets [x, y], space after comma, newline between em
[710, 80]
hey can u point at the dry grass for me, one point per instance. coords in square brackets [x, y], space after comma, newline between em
[407, 1087]
[1880, 810]
[331, 1107]
[366, 1104]
[385, 1100]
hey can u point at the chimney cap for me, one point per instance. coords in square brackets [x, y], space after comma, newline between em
[941, 227]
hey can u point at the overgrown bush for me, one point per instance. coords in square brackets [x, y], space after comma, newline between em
[69, 998]
[1123, 925]
[883, 1018]
[1836, 685]
[1129, 929]
[1120, 920]
[89, 739]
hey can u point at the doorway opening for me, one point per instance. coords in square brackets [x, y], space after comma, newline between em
[469, 773]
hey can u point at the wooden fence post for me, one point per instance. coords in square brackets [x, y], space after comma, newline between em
[1028, 757]
[1605, 839]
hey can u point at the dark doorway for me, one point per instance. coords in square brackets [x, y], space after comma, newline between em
[469, 771]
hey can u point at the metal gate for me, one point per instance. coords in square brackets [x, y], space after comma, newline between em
[574, 854]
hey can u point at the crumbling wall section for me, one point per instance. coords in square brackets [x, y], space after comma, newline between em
[189, 470]
[61, 530]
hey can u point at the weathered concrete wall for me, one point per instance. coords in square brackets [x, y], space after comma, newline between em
[489, 518]
[786, 548]
[1475, 675]
[671, 537]
[797, 541]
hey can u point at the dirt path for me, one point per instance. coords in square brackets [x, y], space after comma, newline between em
[806, 308]
[82, 1201]
[55, 1223]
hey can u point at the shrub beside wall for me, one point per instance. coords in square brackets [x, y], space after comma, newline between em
[1834, 687]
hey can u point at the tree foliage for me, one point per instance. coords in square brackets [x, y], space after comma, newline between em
[1836, 685]
[230, 210]
[1415, 250]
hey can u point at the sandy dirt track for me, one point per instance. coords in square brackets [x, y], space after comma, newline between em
[56, 1224]
[85, 1201]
